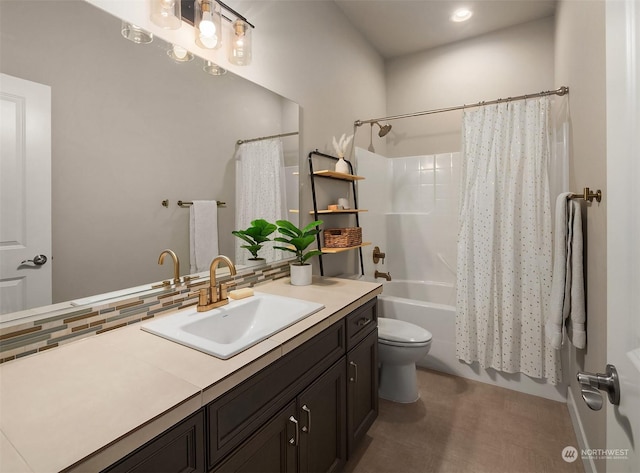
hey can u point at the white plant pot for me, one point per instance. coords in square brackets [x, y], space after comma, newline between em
[300, 275]
[251, 262]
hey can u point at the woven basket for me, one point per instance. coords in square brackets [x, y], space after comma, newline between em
[342, 237]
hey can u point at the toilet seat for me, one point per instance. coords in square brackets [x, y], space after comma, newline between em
[399, 333]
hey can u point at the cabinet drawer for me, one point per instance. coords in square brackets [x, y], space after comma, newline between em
[237, 414]
[361, 322]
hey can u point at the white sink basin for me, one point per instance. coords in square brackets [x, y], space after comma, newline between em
[230, 329]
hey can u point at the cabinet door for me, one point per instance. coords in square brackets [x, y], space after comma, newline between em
[322, 414]
[178, 450]
[362, 388]
[272, 449]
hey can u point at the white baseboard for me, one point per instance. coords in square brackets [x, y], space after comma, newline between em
[589, 465]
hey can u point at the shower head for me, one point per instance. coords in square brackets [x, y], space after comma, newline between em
[384, 129]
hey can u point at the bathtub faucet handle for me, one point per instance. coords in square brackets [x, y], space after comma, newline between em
[378, 255]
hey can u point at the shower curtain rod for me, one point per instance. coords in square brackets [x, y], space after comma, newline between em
[267, 137]
[561, 91]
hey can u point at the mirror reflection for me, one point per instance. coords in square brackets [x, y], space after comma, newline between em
[131, 130]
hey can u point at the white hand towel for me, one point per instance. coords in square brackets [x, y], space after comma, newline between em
[577, 332]
[203, 234]
[567, 289]
[558, 306]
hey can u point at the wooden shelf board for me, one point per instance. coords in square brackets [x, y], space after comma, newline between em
[338, 175]
[350, 211]
[340, 250]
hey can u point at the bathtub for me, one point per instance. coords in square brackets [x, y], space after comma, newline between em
[431, 305]
[427, 304]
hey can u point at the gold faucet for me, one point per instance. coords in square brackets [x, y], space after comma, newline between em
[176, 264]
[215, 296]
[378, 274]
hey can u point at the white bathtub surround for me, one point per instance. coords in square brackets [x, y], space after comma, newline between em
[260, 171]
[505, 240]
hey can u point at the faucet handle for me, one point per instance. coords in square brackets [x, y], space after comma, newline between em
[203, 296]
[224, 291]
[378, 255]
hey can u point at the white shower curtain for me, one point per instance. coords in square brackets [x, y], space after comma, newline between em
[505, 240]
[260, 191]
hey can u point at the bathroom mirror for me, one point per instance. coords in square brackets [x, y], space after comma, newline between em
[132, 128]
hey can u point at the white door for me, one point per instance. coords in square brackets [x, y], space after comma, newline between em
[25, 194]
[623, 231]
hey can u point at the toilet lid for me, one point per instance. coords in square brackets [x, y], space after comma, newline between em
[401, 331]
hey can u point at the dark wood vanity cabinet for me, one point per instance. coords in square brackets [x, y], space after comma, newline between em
[179, 449]
[303, 413]
[362, 371]
[362, 389]
[307, 435]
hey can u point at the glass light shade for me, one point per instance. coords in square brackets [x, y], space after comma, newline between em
[179, 54]
[240, 51]
[166, 14]
[135, 33]
[213, 69]
[208, 24]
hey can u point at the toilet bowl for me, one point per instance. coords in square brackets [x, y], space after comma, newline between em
[400, 345]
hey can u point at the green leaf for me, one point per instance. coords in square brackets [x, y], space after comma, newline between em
[241, 235]
[286, 224]
[311, 254]
[285, 248]
[312, 226]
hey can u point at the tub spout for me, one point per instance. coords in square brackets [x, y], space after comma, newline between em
[379, 274]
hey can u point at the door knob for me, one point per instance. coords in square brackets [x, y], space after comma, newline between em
[38, 260]
[607, 382]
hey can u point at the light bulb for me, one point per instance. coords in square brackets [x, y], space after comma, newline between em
[207, 27]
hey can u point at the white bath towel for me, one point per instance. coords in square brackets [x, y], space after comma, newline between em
[203, 234]
[567, 290]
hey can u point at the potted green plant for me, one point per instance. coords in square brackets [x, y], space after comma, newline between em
[298, 240]
[257, 234]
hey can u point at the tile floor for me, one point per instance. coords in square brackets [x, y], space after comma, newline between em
[459, 425]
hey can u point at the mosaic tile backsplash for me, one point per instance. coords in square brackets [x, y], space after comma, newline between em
[50, 332]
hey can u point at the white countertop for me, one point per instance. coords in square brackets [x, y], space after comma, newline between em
[84, 405]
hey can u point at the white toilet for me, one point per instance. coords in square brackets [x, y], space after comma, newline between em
[400, 345]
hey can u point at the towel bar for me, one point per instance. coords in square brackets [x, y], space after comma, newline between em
[183, 204]
[588, 195]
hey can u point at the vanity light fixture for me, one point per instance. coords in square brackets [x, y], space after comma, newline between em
[240, 50]
[461, 14]
[213, 69]
[208, 24]
[179, 54]
[135, 33]
[166, 13]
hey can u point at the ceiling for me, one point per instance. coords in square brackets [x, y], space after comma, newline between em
[399, 27]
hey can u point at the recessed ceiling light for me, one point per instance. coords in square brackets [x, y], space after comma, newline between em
[461, 14]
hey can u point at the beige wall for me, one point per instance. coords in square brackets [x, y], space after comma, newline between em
[580, 64]
[512, 61]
